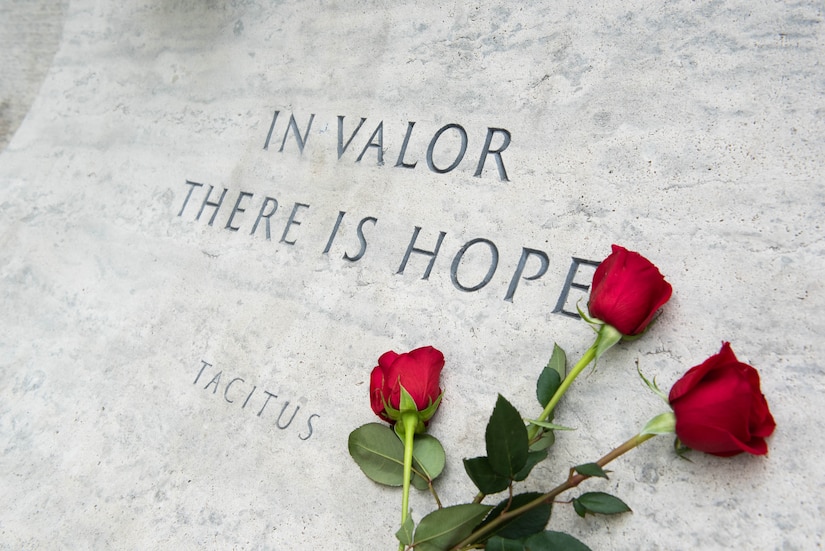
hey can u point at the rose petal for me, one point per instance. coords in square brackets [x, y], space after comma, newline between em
[720, 408]
[376, 392]
[627, 290]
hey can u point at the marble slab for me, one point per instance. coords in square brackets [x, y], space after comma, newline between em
[215, 217]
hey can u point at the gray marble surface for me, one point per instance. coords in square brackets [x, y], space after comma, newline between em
[169, 381]
[29, 36]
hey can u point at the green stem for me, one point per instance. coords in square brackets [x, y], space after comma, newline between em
[572, 481]
[585, 360]
[410, 421]
[434, 493]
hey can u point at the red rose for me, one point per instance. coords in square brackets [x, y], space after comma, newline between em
[720, 409]
[417, 371]
[627, 291]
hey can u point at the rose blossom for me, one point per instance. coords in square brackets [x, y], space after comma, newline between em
[720, 408]
[626, 292]
[417, 371]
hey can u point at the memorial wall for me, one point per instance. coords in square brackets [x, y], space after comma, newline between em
[215, 217]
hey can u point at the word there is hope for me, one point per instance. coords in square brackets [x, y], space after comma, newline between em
[208, 201]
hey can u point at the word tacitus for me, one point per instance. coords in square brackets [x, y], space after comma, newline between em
[531, 264]
[248, 396]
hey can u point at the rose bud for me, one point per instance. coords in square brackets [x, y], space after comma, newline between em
[627, 291]
[417, 372]
[720, 408]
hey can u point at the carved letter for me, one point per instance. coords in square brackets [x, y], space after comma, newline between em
[301, 140]
[261, 214]
[206, 202]
[525, 254]
[309, 426]
[189, 194]
[411, 249]
[568, 283]
[460, 255]
[361, 239]
[216, 380]
[283, 409]
[502, 173]
[458, 158]
[268, 396]
[201, 371]
[226, 390]
[342, 147]
[379, 145]
[271, 128]
[341, 214]
[292, 222]
[249, 396]
[400, 161]
[237, 208]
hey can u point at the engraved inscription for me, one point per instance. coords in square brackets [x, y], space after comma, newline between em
[243, 394]
[451, 140]
[204, 201]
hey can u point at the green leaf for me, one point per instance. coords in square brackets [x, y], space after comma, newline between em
[527, 523]
[484, 477]
[551, 376]
[546, 441]
[602, 503]
[590, 469]
[554, 541]
[405, 533]
[419, 482]
[379, 453]
[580, 509]
[428, 455]
[445, 527]
[533, 459]
[547, 385]
[558, 360]
[506, 437]
[497, 543]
